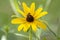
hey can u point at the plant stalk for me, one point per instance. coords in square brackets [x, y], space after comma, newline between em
[30, 34]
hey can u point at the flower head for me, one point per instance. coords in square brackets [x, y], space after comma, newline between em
[30, 19]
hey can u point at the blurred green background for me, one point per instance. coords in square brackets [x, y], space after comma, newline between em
[9, 31]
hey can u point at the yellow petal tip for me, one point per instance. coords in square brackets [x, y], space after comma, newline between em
[12, 22]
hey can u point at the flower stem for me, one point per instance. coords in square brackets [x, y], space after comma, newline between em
[30, 34]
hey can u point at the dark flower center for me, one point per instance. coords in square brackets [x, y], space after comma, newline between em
[30, 18]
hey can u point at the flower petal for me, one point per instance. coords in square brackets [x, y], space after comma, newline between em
[41, 14]
[26, 27]
[38, 11]
[18, 10]
[20, 27]
[18, 20]
[21, 12]
[41, 25]
[25, 8]
[32, 8]
[34, 28]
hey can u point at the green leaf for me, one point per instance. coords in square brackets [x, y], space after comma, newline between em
[1, 34]
[12, 36]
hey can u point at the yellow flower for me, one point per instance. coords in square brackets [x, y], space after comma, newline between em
[30, 19]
